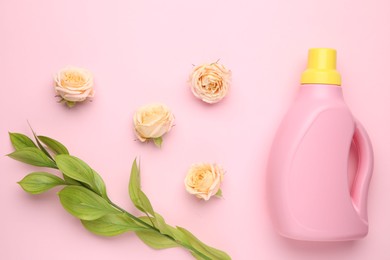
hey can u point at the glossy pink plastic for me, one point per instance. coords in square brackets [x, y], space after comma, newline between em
[308, 189]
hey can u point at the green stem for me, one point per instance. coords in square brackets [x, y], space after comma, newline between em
[158, 231]
[132, 216]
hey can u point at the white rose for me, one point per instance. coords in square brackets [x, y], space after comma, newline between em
[152, 122]
[210, 82]
[74, 85]
[204, 180]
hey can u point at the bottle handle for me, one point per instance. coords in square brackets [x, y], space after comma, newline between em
[359, 190]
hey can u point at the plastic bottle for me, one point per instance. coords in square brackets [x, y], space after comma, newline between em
[309, 194]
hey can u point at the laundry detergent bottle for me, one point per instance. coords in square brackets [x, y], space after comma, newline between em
[309, 192]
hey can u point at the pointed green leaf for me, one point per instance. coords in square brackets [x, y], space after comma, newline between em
[145, 203]
[84, 204]
[20, 141]
[135, 183]
[156, 240]
[70, 181]
[74, 168]
[111, 225]
[158, 141]
[166, 228]
[39, 182]
[162, 225]
[159, 223]
[98, 184]
[54, 145]
[78, 170]
[33, 156]
[176, 234]
[208, 251]
[39, 143]
[219, 193]
[138, 197]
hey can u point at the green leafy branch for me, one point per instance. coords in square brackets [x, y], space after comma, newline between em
[84, 196]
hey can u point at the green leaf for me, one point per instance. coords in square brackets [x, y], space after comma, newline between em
[204, 249]
[145, 203]
[179, 237]
[20, 141]
[156, 240]
[70, 104]
[111, 225]
[159, 223]
[98, 184]
[158, 141]
[54, 145]
[166, 229]
[39, 143]
[219, 194]
[33, 156]
[135, 183]
[78, 170]
[39, 182]
[84, 204]
[70, 181]
[137, 196]
[162, 225]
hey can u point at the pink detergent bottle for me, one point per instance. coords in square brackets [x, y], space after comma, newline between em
[309, 194]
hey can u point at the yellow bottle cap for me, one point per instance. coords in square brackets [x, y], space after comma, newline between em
[321, 68]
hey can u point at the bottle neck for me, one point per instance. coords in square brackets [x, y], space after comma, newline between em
[321, 91]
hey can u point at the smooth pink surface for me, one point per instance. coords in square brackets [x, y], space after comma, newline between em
[307, 175]
[143, 51]
[360, 188]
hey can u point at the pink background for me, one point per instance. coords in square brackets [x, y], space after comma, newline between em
[142, 52]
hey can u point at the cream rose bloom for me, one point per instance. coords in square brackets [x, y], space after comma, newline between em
[204, 180]
[73, 85]
[152, 122]
[210, 82]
